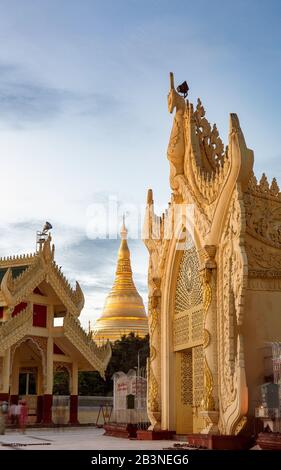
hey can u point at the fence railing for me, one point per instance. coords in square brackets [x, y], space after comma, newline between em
[83, 401]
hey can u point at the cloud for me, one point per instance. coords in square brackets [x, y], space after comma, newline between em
[25, 101]
[91, 262]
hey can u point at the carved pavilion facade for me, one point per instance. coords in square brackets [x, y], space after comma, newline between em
[214, 283]
[34, 292]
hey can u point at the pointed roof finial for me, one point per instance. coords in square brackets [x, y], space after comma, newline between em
[123, 231]
[172, 85]
[149, 199]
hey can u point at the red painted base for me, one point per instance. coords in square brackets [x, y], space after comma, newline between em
[4, 397]
[209, 441]
[39, 409]
[155, 435]
[120, 430]
[47, 409]
[73, 409]
[269, 440]
[14, 399]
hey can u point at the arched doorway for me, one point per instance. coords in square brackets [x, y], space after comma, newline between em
[187, 321]
[27, 375]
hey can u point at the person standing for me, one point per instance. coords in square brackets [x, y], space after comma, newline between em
[3, 413]
[13, 413]
[17, 413]
[23, 415]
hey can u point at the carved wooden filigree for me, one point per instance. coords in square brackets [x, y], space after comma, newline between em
[181, 330]
[186, 378]
[153, 396]
[232, 285]
[197, 325]
[97, 356]
[188, 318]
[41, 266]
[14, 329]
[198, 376]
[209, 140]
[263, 189]
[189, 287]
[1, 373]
[263, 216]
[199, 164]
[261, 257]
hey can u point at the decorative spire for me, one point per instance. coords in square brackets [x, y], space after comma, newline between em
[123, 283]
[149, 197]
[123, 269]
[172, 84]
[123, 231]
[123, 311]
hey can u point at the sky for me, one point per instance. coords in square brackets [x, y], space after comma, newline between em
[84, 124]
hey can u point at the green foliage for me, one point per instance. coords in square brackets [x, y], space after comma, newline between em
[61, 383]
[125, 353]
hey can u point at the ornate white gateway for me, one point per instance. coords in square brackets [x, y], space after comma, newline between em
[214, 279]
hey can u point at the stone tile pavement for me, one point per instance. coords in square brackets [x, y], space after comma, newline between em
[86, 438]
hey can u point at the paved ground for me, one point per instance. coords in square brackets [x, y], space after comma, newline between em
[73, 438]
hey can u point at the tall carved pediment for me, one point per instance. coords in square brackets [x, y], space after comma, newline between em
[227, 285]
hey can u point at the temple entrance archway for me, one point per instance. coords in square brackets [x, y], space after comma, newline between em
[187, 326]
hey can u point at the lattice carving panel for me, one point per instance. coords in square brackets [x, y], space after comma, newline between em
[189, 287]
[197, 325]
[181, 330]
[186, 378]
[198, 375]
[188, 328]
[1, 373]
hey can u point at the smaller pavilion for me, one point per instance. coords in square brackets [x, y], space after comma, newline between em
[33, 294]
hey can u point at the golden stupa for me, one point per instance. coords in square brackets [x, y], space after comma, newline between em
[124, 310]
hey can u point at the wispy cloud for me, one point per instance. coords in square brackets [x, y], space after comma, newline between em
[24, 103]
[25, 100]
[91, 262]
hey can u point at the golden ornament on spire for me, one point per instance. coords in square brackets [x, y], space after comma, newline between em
[124, 310]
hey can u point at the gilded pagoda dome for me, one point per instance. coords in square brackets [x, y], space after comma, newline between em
[124, 310]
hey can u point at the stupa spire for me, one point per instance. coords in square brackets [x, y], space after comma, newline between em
[123, 274]
[124, 231]
[123, 311]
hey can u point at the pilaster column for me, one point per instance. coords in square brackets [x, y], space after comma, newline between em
[6, 371]
[14, 384]
[50, 317]
[210, 397]
[48, 394]
[49, 367]
[74, 384]
[154, 361]
[73, 411]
